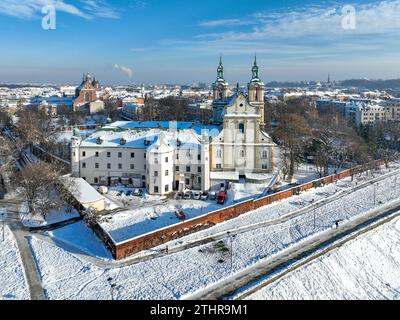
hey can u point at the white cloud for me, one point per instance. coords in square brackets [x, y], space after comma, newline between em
[99, 8]
[124, 70]
[28, 9]
[371, 19]
[225, 22]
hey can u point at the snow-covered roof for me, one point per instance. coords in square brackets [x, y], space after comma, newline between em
[225, 175]
[83, 191]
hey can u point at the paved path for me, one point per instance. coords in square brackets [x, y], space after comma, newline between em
[31, 272]
[326, 240]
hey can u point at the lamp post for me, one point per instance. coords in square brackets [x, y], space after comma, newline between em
[315, 208]
[112, 287]
[231, 237]
[3, 218]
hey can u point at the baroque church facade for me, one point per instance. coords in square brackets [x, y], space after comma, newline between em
[242, 145]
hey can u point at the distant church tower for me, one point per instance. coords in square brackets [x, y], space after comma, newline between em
[220, 95]
[256, 89]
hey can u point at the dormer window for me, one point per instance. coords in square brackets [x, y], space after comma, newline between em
[99, 140]
[122, 142]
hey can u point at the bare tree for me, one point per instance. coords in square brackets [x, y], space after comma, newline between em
[292, 134]
[43, 189]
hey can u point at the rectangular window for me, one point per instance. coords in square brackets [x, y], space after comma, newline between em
[96, 165]
[199, 180]
[167, 188]
[199, 169]
[264, 154]
[176, 168]
[132, 154]
[166, 173]
[108, 154]
[83, 153]
[187, 168]
[119, 154]
[156, 173]
[120, 166]
[132, 167]
[264, 166]
[219, 153]
[97, 154]
[199, 157]
[177, 156]
[96, 180]
[145, 156]
[144, 167]
[219, 166]
[108, 165]
[166, 159]
[156, 160]
[187, 182]
[155, 189]
[83, 165]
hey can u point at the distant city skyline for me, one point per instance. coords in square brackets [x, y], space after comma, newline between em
[154, 41]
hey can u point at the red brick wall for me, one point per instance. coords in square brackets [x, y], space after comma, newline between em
[177, 231]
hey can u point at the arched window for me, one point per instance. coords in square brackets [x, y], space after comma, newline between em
[220, 94]
[241, 127]
[87, 96]
[256, 96]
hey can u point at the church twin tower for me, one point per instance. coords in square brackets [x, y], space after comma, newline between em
[222, 97]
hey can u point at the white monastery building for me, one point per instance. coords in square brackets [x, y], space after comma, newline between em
[167, 156]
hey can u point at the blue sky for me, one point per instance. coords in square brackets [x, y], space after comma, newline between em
[177, 41]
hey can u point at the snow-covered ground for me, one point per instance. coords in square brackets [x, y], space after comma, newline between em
[12, 280]
[52, 217]
[365, 268]
[134, 222]
[149, 213]
[78, 235]
[174, 276]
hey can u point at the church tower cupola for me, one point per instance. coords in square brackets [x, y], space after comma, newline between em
[256, 89]
[220, 95]
[220, 86]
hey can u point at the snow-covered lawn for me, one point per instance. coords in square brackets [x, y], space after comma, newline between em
[78, 235]
[132, 223]
[12, 280]
[180, 274]
[365, 268]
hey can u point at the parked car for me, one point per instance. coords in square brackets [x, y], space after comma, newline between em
[179, 196]
[120, 193]
[180, 215]
[129, 193]
[137, 192]
[187, 195]
[204, 196]
[196, 195]
[212, 195]
[102, 189]
[221, 199]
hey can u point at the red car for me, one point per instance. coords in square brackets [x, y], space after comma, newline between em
[221, 197]
[180, 215]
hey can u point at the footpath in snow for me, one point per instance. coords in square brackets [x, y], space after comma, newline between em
[12, 280]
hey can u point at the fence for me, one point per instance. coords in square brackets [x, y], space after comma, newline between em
[48, 157]
[158, 237]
